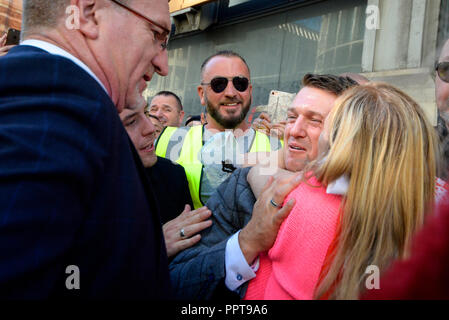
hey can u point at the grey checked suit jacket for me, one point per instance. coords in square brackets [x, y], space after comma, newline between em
[196, 273]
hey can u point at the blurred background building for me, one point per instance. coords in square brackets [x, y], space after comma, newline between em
[10, 15]
[394, 41]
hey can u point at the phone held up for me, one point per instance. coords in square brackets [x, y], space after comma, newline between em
[13, 37]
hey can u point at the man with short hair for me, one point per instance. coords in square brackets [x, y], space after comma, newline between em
[167, 107]
[210, 153]
[227, 255]
[78, 216]
[170, 186]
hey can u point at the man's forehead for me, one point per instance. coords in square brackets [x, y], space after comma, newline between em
[226, 66]
[163, 100]
[129, 112]
[313, 100]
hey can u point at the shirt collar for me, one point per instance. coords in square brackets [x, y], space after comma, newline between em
[339, 186]
[52, 49]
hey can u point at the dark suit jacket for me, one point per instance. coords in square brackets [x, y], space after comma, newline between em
[171, 188]
[72, 188]
[199, 272]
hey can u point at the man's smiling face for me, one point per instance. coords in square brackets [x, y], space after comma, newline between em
[305, 120]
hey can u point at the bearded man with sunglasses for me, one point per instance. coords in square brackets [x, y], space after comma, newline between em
[210, 153]
[78, 217]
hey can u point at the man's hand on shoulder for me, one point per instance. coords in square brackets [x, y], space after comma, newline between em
[261, 231]
[182, 232]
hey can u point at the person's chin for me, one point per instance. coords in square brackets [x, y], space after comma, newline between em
[295, 164]
[149, 160]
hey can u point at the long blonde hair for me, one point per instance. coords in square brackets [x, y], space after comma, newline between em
[382, 141]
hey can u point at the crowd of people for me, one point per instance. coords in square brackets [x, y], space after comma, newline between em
[150, 205]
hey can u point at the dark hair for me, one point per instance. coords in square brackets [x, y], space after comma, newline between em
[193, 118]
[223, 53]
[328, 82]
[169, 93]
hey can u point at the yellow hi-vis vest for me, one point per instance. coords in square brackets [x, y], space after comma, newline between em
[189, 156]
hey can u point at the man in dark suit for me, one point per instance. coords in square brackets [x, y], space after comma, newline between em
[181, 224]
[77, 214]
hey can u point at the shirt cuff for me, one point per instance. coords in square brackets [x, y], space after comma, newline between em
[237, 269]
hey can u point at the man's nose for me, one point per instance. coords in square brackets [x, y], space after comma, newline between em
[299, 128]
[160, 63]
[230, 90]
[148, 126]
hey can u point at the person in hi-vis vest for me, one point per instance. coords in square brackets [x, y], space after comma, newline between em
[211, 152]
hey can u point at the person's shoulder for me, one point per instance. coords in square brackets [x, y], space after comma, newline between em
[39, 70]
[166, 163]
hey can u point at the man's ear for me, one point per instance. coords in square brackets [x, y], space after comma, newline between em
[181, 116]
[88, 23]
[201, 95]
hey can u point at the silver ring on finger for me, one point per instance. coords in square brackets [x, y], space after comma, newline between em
[182, 233]
[274, 204]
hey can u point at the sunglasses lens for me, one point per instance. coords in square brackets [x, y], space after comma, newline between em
[443, 71]
[218, 84]
[240, 83]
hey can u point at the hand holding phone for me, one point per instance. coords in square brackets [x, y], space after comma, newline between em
[3, 40]
[7, 41]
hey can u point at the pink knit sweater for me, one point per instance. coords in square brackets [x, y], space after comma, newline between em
[291, 269]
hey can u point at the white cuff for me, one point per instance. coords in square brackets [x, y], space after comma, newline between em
[237, 269]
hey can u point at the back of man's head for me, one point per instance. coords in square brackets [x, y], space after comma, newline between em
[42, 13]
[328, 82]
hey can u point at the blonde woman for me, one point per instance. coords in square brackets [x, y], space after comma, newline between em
[381, 166]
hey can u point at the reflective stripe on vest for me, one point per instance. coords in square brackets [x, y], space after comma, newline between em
[163, 140]
[191, 152]
[189, 159]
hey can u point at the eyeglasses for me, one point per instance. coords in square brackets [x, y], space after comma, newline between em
[218, 84]
[160, 36]
[442, 70]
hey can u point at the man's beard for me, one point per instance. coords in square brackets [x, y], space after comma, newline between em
[232, 121]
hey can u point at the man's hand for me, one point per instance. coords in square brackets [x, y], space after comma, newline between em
[257, 179]
[262, 123]
[3, 47]
[261, 231]
[277, 129]
[191, 222]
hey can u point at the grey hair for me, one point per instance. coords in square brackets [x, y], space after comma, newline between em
[42, 13]
[45, 13]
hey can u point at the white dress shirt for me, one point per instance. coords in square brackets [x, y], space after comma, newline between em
[237, 269]
[51, 48]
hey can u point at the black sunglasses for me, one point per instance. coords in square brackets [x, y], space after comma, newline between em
[218, 84]
[442, 70]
